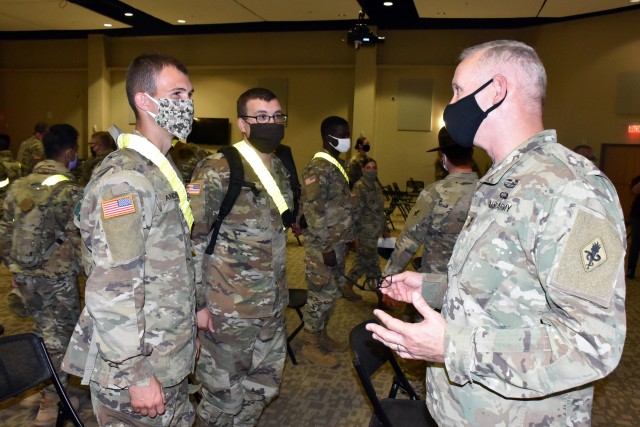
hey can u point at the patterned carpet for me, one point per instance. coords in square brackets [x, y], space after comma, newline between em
[312, 396]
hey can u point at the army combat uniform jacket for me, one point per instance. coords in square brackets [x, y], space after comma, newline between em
[326, 201]
[31, 151]
[139, 319]
[535, 304]
[435, 221]
[245, 276]
[368, 206]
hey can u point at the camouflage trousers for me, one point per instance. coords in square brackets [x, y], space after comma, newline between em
[112, 407]
[366, 262]
[240, 369]
[54, 306]
[324, 285]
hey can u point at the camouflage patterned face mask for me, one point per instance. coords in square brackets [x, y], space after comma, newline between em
[174, 115]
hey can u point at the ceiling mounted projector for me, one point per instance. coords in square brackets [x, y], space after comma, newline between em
[361, 35]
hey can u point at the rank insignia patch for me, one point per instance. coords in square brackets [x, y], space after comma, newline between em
[118, 207]
[593, 254]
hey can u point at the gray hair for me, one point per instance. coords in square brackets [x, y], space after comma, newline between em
[517, 53]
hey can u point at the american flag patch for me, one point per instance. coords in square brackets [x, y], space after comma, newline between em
[117, 207]
[194, 188]
[310, 180]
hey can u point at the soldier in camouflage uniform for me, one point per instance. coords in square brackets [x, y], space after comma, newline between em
[240, 365]
[31, 150]
[135, 342]
[327, 206]
[101, 144]
[370, 224]
[354, 165]
[47, 283]
[9, 168]
[186, 156]
[535, 307]
[437, 217]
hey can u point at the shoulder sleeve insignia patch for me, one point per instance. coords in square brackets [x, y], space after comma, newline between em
[117, 207]
[194, 188]
[310, 180]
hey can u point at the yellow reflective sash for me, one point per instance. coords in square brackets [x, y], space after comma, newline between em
[264, 175]
[54, 179]
[4, 183]
[145, 148]
[333, 161]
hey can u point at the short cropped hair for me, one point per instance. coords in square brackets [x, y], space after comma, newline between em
[330, 124]
[106, 140]
[519, 54]
[254, 93]
[360, 142]
[59, 138]
[143, 72]
[5, 141]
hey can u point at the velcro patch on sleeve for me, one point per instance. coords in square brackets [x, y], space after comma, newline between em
[119, 206]
[310, 180]
[194, 188]
[589, 265]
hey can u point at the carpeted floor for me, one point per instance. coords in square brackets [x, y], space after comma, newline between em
[312, 396]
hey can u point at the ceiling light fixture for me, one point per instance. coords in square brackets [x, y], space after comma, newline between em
[181, 21]
[388, 3]
[128, 14]
[108, 25]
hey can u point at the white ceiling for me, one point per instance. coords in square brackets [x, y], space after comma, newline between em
[39, 15]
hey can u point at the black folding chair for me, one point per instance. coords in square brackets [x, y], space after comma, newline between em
[369, 356]
[297, 300]
[24, 364]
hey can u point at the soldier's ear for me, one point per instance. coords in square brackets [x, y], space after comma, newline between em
[242, 125]
[142, 101]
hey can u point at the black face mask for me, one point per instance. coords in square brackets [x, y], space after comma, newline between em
[464, 117]
[265, 137]
[365, 148]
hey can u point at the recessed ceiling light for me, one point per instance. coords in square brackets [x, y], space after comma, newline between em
[128, 14]
[441, 13]
[388, 3]
[108, 25]
[634, 1]
[181, 21]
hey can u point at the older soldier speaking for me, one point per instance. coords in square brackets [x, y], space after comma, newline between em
[534, 310]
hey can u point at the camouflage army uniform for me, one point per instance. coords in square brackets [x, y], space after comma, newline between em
[240, 365]
[31, 151]
[535, 304]
[9, 172]
[49, 291]
[186, 157]
[87, 168]
[327, 205]
[368, 214]
[139, 319]
[354, 168]
[435, 222]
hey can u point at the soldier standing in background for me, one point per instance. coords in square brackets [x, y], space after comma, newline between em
[354, 165]
[41, 248]
[135, 342]
[327, 206]
[186, 156]
[437, 217]
[101, 144]
[370, 224]
[31, 150]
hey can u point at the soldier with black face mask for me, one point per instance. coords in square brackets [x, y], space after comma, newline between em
[354, 166]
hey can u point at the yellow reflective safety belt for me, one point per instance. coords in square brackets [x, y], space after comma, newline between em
[4, 183]
[149, 151]
[333, 161]
[264, 175]
[54, 179]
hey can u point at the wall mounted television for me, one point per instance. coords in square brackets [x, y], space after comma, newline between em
[210, 131]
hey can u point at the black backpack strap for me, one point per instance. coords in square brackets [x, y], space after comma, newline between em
[236, 180]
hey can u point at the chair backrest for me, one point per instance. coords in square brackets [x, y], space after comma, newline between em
[369, 356]
[22, 364]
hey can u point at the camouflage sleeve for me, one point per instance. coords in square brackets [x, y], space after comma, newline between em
[71, 194]
[6, 227]
[314, 200]
[118, 215]
[413, 233]
[359, 201]
[577, 248]
[211, 181]
[354, 169]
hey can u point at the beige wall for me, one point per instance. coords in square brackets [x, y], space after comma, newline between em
[583, 60]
